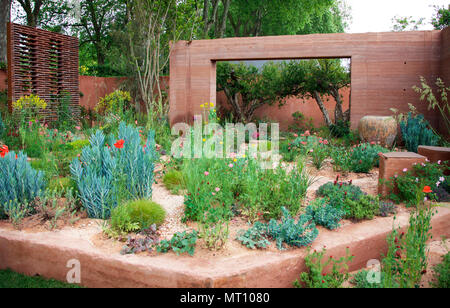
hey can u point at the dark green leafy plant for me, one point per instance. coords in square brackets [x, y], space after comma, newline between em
[324, 214]
[254, 237]
[181, 242]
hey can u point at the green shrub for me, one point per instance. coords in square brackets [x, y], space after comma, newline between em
[136, 215]
[442, 273]
[146, 213]
[364, 157]
[173, 180]
[364, 208]
[332, 188]
[121, 222]
[324, 214]
[340, 129]
[319, 274]
[78, 145]
[62, 184]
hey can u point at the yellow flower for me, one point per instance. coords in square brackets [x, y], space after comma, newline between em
[243, 156]
[235, 160]
[201, 106]
[211, 104]
[204, 139]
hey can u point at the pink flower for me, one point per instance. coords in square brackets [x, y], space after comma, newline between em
[217, 189]
[304, 142]
[439, 162]
[406, 169]
[372, 143]
[325, 142]
[230, 165]
[206, 173]
[77, 128]
[213, 194]
[295, 135]
[307, 133]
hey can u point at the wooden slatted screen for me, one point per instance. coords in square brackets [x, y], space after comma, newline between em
[45, 64]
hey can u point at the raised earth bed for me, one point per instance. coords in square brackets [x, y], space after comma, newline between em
[47, 254]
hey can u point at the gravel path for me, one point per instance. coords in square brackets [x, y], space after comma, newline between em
[174, 206]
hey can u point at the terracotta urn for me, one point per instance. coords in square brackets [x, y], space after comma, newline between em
[378, 129]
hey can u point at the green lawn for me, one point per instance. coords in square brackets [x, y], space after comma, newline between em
[10, 279]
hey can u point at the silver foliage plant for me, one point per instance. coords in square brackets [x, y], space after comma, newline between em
[107, 175]
[19, 183]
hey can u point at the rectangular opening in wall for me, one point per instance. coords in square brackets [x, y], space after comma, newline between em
[299, 94]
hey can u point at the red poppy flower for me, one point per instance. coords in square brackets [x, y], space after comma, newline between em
[427, 189]
[4, 150]
[119, 144]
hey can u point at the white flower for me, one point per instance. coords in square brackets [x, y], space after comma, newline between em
[417, 180]
[441, 179]
[437, 183]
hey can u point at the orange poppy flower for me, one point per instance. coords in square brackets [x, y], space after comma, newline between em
[427, 189]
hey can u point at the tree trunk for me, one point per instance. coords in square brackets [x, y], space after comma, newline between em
[319, 101]
[223, 23]
[5, 11]
[339, 115]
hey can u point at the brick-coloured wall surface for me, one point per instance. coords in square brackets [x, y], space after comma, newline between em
[43, 63]
[393, 163]
[283, 115]
[93, 88]
[384, 67]
[3, 80]
[436, 154]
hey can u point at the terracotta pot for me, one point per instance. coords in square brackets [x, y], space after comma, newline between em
[378, 129]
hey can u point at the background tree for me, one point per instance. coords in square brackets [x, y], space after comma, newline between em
[247, 87]
[317, 79]
[152, 26]
[96, 22]
[5, 11]
[441, 18]
[408, 23]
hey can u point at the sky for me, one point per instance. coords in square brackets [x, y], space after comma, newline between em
[376, 15]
